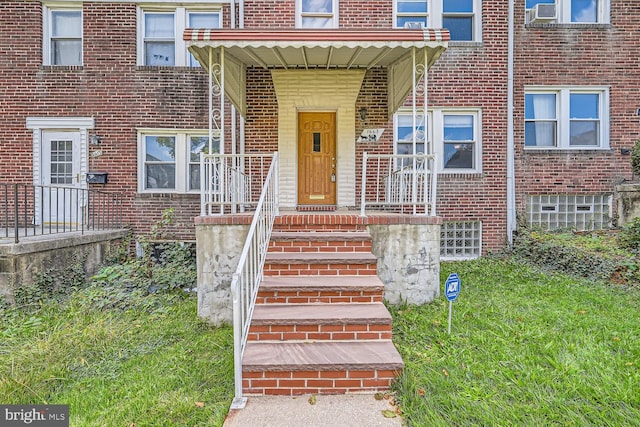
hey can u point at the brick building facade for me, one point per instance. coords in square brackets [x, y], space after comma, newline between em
[120, 70]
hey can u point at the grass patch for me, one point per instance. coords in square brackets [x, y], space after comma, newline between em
[526, 348]
[153, 364]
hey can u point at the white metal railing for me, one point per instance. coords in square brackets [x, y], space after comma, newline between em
[246, 279]
[231, 183]
[399, 183]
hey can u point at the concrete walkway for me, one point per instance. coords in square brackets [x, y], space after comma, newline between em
[355, 410]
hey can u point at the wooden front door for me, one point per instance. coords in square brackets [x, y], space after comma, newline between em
[316, 158]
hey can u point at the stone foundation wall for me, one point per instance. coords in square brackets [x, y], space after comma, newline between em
[408, 261]
[21, 263]
[627, 200]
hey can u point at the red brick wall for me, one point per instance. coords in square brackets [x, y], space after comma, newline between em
[592, 55]
[475, 76]
[110, 87]
[123, 97]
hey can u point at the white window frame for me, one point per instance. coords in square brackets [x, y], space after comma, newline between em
[181, 22]
[563, 10]
[435, 13]
[333, 16]
[563, 136]
[47, 29]
[435, 136]
[182, 158]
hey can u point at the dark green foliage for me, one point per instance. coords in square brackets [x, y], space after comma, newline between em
[594, 256]
[165, 266]
[635, 158]
[53, 284]
[629, 236]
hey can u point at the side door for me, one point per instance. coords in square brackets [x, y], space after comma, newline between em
[61, 198]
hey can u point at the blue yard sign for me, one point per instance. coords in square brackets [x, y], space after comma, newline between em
[451, 291]
[452, 287]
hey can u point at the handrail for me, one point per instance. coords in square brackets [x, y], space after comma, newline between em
[33, 210]
[229, 183]
[399, 183]
[248, 275]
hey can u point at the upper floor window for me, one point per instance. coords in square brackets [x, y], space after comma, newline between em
[568, 11]
[316, 13]
[455, 135]
[460, 17]
[566, 118]
[411, 13]
[160, 34]
[63, 37]
[169, 161]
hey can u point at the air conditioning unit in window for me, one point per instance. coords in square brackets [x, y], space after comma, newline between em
[416, 24]
[542, 13]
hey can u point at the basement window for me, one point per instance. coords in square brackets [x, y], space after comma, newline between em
[460, 240]
[580, 212]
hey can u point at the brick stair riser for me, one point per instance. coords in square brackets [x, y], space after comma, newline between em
[274, 269]
[313, 297]
[319, 246]
[318, 227]
[335, 332]
[292, 383]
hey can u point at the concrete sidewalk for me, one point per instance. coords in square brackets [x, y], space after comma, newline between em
[354, 410]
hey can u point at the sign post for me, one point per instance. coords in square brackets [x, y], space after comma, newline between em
[451, 291]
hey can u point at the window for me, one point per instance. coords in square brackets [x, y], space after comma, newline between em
[455, 136]
[63, 35]
[576, 11]
[460, 17]
[404, 136]
[197, 144]
[566, 118]
[460, 240]
[160, 35]
[457, 16]
[159, 39]
[582, 212]
[202, 20]
[316, 13]
[458, 141]
[411, 13]
[169, 161]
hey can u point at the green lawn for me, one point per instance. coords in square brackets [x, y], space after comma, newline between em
[526, 348]
[144, 366]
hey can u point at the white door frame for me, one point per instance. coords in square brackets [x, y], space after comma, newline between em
[43, 128]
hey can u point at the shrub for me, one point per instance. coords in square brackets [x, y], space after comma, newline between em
[165, 266]
[590, 255]
[629, 236]
[635, 158]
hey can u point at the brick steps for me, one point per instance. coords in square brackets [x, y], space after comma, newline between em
[319, 324]
[321, 367]
[320, 289]
[320, 263]
[312, 322]
[319, 241]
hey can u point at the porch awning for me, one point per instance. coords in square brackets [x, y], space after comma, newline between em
[317, 49]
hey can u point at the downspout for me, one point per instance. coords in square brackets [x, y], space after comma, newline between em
[234, 125]
[242, 123]
[511, 175]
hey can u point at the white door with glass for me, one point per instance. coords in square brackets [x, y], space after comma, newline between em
[61, 196]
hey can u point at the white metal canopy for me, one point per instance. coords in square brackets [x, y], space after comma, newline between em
[394, 49]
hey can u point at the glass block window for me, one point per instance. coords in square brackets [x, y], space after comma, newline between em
[460, 240]
[580, 212]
